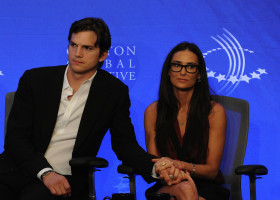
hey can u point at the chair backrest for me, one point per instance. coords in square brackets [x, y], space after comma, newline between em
[8, 105]
[237, 111]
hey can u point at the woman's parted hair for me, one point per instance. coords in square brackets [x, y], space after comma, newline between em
[195, 141]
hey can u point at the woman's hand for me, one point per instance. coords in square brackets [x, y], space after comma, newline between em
[169, 170]
[174, 177]
[165, 162]
[162, 163]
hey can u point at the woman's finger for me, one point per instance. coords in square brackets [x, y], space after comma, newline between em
[164, 174]
[176, 173]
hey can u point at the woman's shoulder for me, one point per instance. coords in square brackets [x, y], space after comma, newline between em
[216, 105]
[217, 109]
[151, 110]
[152, 107]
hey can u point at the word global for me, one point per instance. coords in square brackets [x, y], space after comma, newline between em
[123, 75]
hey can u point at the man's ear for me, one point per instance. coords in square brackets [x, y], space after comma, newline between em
[103, 56]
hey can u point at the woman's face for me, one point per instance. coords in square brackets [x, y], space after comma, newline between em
[183, 80]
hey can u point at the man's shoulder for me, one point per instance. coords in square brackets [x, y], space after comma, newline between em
[42, 75]
[109, 78]
[48, 69]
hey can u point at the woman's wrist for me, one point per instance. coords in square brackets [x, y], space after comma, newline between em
[183, 165]
[193, 169]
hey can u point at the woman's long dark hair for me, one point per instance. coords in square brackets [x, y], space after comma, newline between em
[195, 142]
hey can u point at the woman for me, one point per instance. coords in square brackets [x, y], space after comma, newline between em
[185, 128]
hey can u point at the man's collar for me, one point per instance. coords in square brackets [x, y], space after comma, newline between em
[66, 83]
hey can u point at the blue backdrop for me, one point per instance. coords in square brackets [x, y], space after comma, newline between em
[239, 39]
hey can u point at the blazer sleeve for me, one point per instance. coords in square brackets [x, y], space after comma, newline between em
[20, 138]
[124, 141]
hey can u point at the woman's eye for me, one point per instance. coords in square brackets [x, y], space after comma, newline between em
[176, 65]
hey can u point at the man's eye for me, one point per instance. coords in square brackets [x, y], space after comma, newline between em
[88, 48]
[72, 44]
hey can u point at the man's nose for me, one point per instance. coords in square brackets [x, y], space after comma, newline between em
[79, 52]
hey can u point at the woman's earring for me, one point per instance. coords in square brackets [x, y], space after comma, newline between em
[198, 80]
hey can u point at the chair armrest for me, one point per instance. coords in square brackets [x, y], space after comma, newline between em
[89, 162]
[130, 172]
[124, 169]
[251, 170]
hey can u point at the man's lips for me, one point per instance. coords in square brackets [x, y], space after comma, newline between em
[77, 62]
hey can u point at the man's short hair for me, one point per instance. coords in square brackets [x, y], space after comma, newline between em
[96, 25]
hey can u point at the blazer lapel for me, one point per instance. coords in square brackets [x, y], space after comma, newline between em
[96, 98]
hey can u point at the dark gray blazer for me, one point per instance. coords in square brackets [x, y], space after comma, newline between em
[33, 117]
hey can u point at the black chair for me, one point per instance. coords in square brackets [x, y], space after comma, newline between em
[237, 111]
[131, 173]
[92, 163]
[8, 105]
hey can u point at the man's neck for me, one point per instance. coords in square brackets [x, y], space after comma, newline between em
[75, 80]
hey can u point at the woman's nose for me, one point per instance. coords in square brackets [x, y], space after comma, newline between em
[183, 71]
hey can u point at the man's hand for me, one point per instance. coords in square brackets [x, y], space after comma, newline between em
[165, 162]
[57, 184]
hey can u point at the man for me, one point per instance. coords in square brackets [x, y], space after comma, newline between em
[63, 112]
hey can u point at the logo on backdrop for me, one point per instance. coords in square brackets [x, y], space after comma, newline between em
[121, 62]
[122, 186]
[234, 73]
[1, 73]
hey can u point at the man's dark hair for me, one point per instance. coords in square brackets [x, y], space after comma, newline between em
[99, 27]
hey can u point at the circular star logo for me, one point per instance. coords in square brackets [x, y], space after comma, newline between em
[229, 70]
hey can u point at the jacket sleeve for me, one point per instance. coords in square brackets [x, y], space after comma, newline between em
[20, 138]
[124, 141]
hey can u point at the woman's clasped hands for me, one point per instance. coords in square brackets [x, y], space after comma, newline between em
[171, 171]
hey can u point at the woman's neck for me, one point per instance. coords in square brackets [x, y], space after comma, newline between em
[184, 97]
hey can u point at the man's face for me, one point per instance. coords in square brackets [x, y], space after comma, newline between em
[83, 55]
